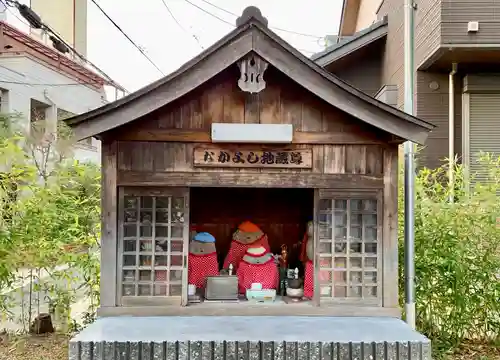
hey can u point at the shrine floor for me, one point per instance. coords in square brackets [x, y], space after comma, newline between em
[249, 338]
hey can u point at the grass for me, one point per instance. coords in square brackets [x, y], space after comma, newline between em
[55, 347]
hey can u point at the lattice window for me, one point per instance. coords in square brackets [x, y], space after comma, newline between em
[349, 248]
[151, 248]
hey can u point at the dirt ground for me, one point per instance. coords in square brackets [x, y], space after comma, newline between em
[43, 347]
[472, 351]
[55, 347]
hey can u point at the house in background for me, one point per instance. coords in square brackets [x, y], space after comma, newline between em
[67, 17]
[41, 82]
[457, 81]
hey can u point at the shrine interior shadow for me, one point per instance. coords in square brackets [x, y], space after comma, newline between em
[281, 213]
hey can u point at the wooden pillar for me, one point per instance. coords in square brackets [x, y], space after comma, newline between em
[109, 232]
[390, 228]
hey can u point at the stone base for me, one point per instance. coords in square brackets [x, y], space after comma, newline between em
[249, 338]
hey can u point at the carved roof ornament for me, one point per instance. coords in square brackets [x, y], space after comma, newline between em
[251, 12]
[252, 70]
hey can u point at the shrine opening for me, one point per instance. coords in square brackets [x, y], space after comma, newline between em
[249, 182]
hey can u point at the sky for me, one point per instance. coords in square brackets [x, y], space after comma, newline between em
[169, 44]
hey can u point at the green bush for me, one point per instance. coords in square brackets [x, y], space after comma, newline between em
[49, 216]
[457, 256]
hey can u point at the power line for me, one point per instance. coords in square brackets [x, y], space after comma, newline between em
[179, 24]
[8, 9]
[228, 23]
[8, 5]
[209, 13]
[83, 58]
[128, 37]
[45, 84]
[272, 27]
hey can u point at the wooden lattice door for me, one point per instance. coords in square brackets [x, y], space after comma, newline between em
[153, 245]
[348, 247]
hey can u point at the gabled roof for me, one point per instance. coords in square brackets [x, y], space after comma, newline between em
[251, 35]
[349, 44]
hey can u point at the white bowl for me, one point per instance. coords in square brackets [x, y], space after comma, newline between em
[295, 292]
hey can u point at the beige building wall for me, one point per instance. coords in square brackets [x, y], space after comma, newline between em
[68, 18]
[367, 13]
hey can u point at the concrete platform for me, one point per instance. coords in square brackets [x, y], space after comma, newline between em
[249, 338]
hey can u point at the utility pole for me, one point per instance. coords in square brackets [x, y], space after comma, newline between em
[409, 174]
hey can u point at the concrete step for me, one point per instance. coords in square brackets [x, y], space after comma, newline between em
[249, 338]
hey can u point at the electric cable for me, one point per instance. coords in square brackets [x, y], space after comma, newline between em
[128, 37]
[83, 58]
[45, 84]
[8, 5]
[180, 25]
[272, 27]
[230, 24]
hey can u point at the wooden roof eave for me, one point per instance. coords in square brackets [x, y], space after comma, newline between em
[166, 90]
[252, 37]
[229, 38]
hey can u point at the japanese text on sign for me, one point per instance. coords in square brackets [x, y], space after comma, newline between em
[300, 158]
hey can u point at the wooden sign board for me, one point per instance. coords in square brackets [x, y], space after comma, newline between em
[287, 159]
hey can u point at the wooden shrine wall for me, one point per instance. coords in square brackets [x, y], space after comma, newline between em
[163, 143]
[158, 150]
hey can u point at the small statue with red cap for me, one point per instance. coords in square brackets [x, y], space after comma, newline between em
[258, 265]
[247, 235]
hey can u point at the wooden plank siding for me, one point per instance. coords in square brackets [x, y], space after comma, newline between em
[159, 148]
[220, 100]
[159, 157]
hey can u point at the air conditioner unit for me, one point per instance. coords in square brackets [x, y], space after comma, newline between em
[473, 26]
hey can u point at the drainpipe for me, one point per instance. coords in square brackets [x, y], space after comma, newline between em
[451, 138]
[409, 170]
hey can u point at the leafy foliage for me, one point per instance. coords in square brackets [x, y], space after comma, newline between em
[49, 217]
[457, 255]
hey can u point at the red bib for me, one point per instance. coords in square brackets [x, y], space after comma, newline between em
[200, 267]
[324, 277]
[238, 250]
[266, 274]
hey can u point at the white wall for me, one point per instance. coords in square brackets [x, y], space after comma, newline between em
[76, 99]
